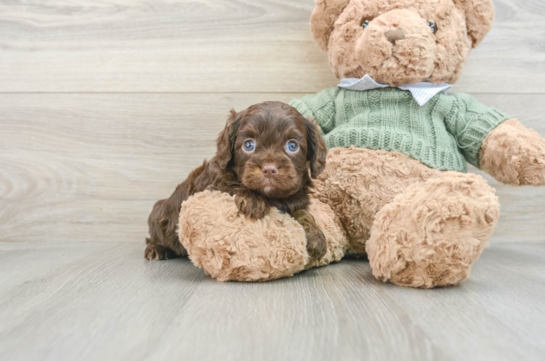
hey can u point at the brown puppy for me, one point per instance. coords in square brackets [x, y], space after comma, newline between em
[263, 158]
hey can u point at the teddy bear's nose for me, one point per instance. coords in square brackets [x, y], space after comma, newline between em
[394, 35]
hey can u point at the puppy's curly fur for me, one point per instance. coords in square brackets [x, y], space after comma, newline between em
[264, 157]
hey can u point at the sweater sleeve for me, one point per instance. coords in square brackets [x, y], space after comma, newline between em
[319, 106]
[470, 122]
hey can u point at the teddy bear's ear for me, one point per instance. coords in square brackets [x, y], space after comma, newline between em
[323, 17]
[479, 18]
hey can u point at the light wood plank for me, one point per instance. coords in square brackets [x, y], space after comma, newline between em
[94, 298]
[219, 46]
[89, 167]
[108, 303]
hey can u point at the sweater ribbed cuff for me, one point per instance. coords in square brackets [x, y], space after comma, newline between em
[479, 128]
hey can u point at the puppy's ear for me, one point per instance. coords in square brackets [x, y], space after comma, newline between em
[226, 141]
[322, 19]
[316, 149]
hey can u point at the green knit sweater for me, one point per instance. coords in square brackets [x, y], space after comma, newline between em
[443, 134]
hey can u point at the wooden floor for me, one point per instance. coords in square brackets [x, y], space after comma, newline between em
[103, 301]
[106, 105]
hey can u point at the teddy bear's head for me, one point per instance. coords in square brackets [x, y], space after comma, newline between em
[400, 41]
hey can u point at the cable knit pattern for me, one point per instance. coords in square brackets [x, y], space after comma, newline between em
[443, 134]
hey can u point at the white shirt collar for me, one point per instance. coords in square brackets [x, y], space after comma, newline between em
[422, 92]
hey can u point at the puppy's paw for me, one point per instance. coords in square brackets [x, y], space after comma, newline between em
[316, 244]
[158, 253]
[253, 207]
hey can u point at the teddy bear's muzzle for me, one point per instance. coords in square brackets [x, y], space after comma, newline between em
[397, 47]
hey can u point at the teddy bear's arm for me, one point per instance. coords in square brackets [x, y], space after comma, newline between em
[470, 122]
[514, 155]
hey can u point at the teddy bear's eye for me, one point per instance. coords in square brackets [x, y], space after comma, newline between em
[365, 24]
[433, 26]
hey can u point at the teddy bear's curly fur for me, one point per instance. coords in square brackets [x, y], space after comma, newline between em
[420, 226]
[228, 246]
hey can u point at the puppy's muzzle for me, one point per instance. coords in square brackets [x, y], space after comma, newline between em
[269, 170]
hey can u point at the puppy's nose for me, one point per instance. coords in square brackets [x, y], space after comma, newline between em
[394, 35]
[269, 170]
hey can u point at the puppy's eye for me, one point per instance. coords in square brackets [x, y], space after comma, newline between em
[365, 24]
[249, 145]
[433, 27]
[292, 146]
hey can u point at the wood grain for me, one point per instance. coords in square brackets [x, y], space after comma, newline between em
[220, 46]
[105, 302]
[89, 167]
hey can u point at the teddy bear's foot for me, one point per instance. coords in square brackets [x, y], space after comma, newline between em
[431, 234]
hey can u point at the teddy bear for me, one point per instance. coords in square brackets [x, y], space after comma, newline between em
[395, 186]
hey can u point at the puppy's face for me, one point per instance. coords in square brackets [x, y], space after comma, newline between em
[271, 147]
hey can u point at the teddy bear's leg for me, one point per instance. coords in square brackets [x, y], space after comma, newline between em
[357, 183]
[432, 233]
[231, 247]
